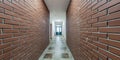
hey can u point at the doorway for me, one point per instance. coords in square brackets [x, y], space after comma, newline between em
[58, 30]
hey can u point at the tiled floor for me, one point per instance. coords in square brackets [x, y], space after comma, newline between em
[57, 50]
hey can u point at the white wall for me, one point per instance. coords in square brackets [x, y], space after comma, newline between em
[58, 16]
[57, 10]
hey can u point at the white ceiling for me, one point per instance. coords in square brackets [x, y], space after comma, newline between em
[57, 5]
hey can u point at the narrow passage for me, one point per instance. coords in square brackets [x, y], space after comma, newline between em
[57, 50]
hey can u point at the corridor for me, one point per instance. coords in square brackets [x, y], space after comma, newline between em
[57, 50]
[59, 29]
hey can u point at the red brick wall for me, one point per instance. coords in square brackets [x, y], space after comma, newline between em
[94, 29]
[23, 29]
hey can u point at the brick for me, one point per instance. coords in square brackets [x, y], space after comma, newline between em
[99, 4]
[114, 36]
[110, 16]
[9, 12]
[100, 24]
[6, 6]
[102, 35]
[0, 20]
[5, 16]
[114, 8]
[104, 52]
[10, 31]
[1, 10]
[99, 14]
[2, 15]
[114, 50]
[97, 35]
[100, 45]
[5, 36]
[18, 25]
[18, 34]
[12, 22]
[115, 22]
[5, 26]
[93, 30]
[6, 55]
[109, 4]
[114, 43]
[101, 56]
[110, 30]
[0, 52]
[94, 2]
[9, 40]
[9, 17]
[104, 41]
[113, 57]
[7, 2]
[110, 42]
[5, 45]
[94, 11]
[93, 20]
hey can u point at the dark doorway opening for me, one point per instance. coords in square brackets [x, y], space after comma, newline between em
[58, 29]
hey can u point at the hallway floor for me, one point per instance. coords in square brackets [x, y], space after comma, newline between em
[57, 50]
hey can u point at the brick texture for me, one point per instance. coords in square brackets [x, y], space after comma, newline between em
[94, 29]
[23, 29]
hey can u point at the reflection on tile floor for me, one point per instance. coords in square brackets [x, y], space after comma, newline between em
[50, 48]
[48, 56]
[57, 50]
[65, 55]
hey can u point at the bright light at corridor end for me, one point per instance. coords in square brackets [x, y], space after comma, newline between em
[58, 20]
